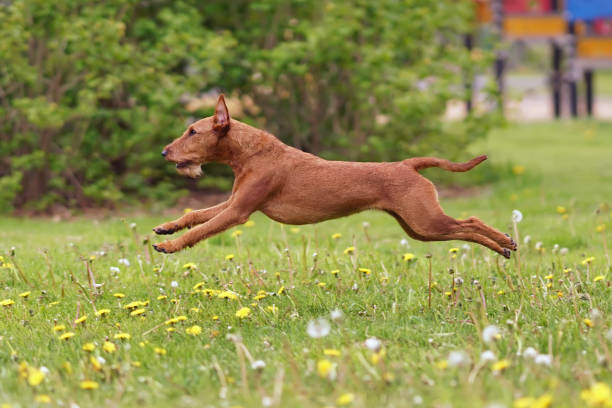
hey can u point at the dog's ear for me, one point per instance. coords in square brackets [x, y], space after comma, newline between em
[221, 121]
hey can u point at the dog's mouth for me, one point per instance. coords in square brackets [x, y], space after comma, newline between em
[189, 169]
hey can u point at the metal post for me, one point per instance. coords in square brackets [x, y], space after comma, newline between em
[556, 78]
[588, 81]
[573, 92]
[469, 43]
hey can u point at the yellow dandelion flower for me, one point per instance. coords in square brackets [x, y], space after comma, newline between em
[518, 170]
[236, 233]
[159, 350]
[281, 290]
[407, 257]
[162, 297]
[25, 294]
[500, 292]
[170, 329]
[190, 265]
[42, 399]
[337, 235]
[89, 347]
[136, 364]
[119, 295]
[588, 322]
[345, 398]
[198, 285]
[561, 209]
[80, 319]
[332, 352]
[103, 312]
[181, 318]
[294, 230]
[259, 297]
[215, 317]
[453, 250]
[249, 224]
[365, 271]
[335, 272]
[600, 228]
[321, 284]
[567, 270]
[549, 277]
[122, 336]
[54, 303]
[194, 310]
[349, 251]
[229, 257]
[59, 328]
[109, 347]
[588, 260]
[89, 385]
[599, 395]
[138, 312]
[442, 364]
[35, 377]
[187, 210]
[194, 330]
[67, 367]
[243, 312]
[598, 278]
[95, 363]
[500, 365]
[272, 309]
[66, 336]
[7, 302]
[324, 367]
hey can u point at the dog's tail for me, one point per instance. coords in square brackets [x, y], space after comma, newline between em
[424, 162]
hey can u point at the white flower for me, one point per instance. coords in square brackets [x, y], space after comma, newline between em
[417, 400]
[266, 401]
[366, 224]
[563, 251]
[318, 328]
[404, 242]
[538, 245]
[336, 315]
[373, 344]
[543, 359]
[133, 225]
[258, 365]
[466, 247]
[530, 352]
[101, 360]
[115, 269]
[458, 358]
[44, 370]
[174, 284]
[527, 239]
[517, 216]
[490, 333]
[555, 248]
[124, 261]
[355, 287]
[487, 356]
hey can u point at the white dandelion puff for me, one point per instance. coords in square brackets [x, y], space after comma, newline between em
[318, 328]
[490, 333]
[517, 216]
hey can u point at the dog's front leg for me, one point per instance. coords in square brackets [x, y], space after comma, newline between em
[224, 220]
[190, 219]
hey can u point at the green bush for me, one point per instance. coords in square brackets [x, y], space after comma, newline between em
[91, 91]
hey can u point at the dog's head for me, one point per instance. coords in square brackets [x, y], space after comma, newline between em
[200, 143]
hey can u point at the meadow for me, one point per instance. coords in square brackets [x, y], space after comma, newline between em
[341, 313]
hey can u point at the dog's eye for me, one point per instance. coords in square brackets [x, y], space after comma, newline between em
[192, 132]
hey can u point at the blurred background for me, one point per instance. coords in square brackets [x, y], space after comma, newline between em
[90, 92]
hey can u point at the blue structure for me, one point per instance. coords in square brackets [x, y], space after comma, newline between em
[587, 10]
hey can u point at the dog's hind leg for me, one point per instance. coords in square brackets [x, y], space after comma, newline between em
[190, 219]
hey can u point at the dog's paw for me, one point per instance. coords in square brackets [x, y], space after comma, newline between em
[166, 247]
[513, 245]
[506, 253]
[164, 229]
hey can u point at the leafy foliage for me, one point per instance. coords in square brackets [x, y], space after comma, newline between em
[91, 92]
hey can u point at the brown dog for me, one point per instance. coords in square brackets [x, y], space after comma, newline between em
[294, 187]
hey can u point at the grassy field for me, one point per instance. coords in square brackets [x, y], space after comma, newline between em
[231, 322]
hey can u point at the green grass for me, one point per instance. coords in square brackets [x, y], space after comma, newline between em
[564, 164]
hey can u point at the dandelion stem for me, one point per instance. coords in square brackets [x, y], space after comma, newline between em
[517, 239]
[429, 285]
[19, 271]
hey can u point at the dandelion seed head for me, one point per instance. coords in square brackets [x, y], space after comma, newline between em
[458, 359]
[336, 315]
[543, 359]
[258, 365]
[527, 239]
[530, 353]
[318, 328]
[487, 356]
[373, 344]
[124, 261]
[517, 216]
[490, 333]
[174, 284]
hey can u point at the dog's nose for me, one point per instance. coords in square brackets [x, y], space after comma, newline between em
[164, 152]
